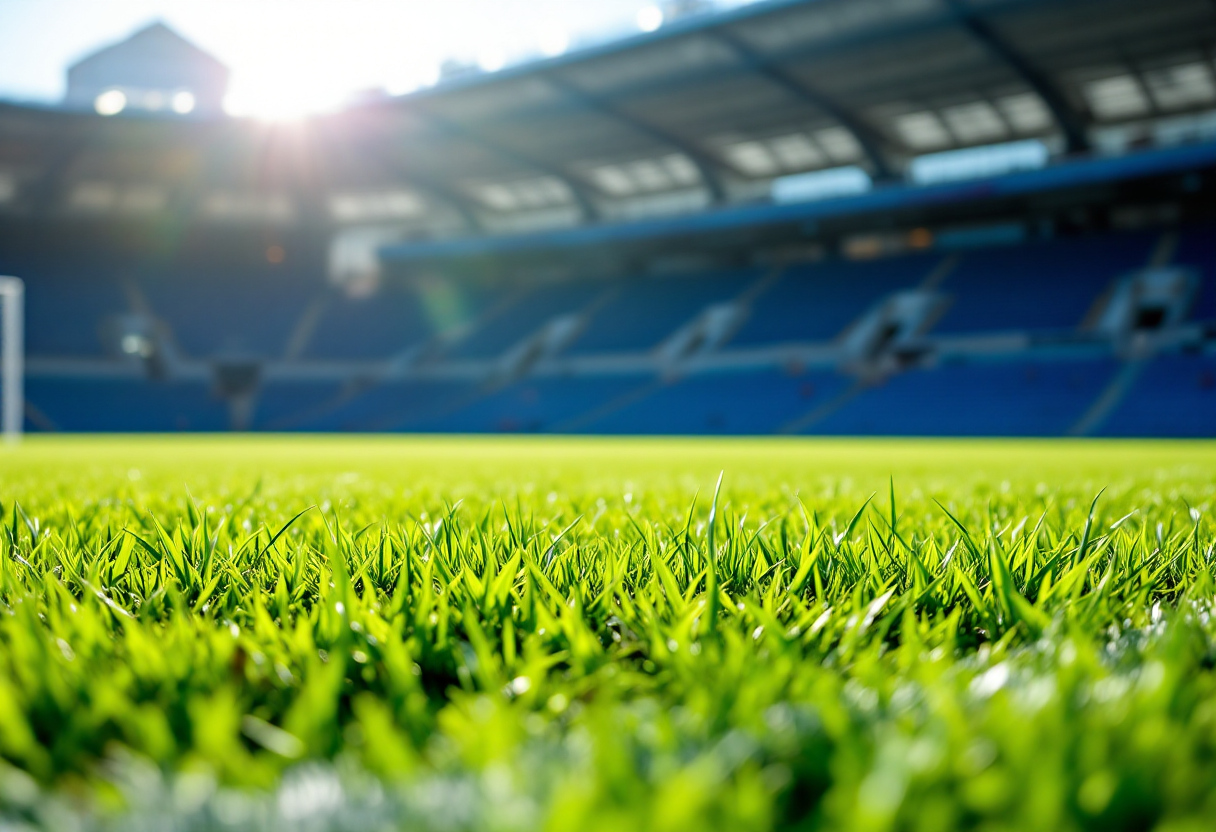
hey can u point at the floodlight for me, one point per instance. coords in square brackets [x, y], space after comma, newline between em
[491, 61]
[554, 43]
[650, 18]
[110, 102]
[183, 102]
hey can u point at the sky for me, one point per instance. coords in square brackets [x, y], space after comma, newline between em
[303, 55]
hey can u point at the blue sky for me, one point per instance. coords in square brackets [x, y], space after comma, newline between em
[309, 53]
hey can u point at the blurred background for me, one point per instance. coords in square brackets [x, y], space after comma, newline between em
[906, 217]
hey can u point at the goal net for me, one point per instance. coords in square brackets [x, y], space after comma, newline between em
[12, 347]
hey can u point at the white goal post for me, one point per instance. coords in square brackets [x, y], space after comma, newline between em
[12, 348]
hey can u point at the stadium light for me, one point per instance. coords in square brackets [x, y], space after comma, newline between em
[110, 103]
[650, 18]
[135, 344]
[412, 81]
[491, 61]
[554, 43]
[183, 103]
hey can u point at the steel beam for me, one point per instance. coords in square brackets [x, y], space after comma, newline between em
[579, 191]
[1070, 121]
[871, 141]
[429, 186]
[707, 167]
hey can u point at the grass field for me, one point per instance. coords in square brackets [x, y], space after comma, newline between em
[451, 634]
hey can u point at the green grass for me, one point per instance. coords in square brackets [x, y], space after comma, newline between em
[374, 634]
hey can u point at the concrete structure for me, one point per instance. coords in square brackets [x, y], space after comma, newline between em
[154, 70]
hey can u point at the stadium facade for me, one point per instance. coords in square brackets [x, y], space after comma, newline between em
[154, 70]
[972, 217]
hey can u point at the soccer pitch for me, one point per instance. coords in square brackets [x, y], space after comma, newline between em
[586, 634]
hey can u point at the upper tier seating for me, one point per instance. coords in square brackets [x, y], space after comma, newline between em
[210, 313]
[368, 328]
[815, 303]
[646, 310]
[1038, 286]
[65, 307]
[1197, 249]
[522, 316]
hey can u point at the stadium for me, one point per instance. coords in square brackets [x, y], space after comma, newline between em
[867, 353]
[720, 227]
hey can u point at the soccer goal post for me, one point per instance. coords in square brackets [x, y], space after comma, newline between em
[12, 348]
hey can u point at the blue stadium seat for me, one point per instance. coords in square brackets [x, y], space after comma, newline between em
[1034, 287]
[386, 406]
[1197, 249]
[1174, 395]
[65, 309]
[295, 405]
[1038, 286]
[646, 310]
[124, 405]
[815, 303]
[751, 402]
[537, 404]
[378, 326]
[1042, 397]
[251, 313]
[525, 316]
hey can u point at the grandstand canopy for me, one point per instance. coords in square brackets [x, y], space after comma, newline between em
[707, 110]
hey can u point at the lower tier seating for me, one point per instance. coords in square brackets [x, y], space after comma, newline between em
[1172, 396]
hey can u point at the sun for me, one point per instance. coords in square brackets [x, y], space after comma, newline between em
[313, 65]
[284, 90]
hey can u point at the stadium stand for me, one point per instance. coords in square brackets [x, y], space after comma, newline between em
[526, 313]
[544, 249]
[391, 405]
[299, 404]
[643, 311]
[212, 314]
[815, 303]
[1174, 395]
[367, 327]
[531, 406]
[1038, 286]
[756, 402]
[66, 312]
[123, 405]
[1019, 397]
[1197, 249]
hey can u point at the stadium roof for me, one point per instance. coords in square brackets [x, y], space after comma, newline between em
[708, 110]
[750, 222]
